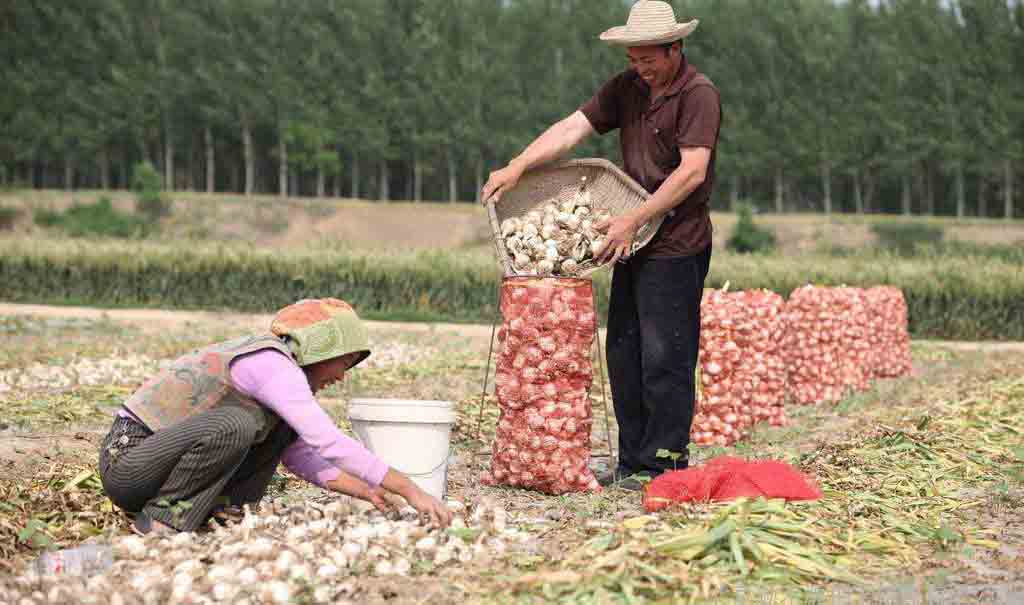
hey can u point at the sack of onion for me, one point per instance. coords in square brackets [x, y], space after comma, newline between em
[742, 373]
[542, 383]
[826, 347]
[888, 337]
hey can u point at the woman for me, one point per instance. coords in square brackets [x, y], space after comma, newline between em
[208, 432]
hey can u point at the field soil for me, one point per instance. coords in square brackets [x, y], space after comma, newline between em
[275, 222]
[64, 370]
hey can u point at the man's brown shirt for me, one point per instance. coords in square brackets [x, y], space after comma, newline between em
[688, 114]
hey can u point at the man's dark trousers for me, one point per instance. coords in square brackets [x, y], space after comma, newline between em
[653, 341]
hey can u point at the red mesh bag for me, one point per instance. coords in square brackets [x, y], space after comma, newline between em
[826, 347]
[888, 337]
[727, 478]
[542, 382]
[742, 372]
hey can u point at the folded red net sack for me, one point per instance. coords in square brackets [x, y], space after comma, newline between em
[727, 478]
[742, 372]
[542, 382]
[888, 336]
[826, 347]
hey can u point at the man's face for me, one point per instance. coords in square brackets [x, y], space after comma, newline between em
[656, 66]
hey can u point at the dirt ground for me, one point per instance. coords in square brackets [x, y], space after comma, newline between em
[59, 387]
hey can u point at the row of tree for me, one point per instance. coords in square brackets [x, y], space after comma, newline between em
[913, 106]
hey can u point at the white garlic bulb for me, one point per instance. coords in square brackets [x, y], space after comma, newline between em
[530, 231]
[548, 231]
[510, 226]
[552, 254]
[545, 267]
[569, 266]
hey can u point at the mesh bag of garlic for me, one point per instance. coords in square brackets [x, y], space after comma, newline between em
[888, 336]
[542, 382]
[826, 345]
[557, 238]
[742, 372]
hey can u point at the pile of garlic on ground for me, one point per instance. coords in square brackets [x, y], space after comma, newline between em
[80, 372]
[557, 239]
[301, 553]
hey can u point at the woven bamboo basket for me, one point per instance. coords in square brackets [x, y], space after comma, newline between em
[610, 188]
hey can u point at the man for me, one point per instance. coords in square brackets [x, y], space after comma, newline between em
[668, 117]
[208, 432]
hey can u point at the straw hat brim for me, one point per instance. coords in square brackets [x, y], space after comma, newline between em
[623, 35]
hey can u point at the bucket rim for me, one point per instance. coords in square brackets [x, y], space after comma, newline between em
[387, 401]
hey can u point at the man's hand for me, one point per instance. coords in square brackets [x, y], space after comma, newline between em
[499, 182]
[619, 233]
[431, 507]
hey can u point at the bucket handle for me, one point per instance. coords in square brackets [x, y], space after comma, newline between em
[431, 471]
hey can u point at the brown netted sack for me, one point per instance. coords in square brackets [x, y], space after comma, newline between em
[888, 337]
[742, 372]
[825, 347]
[542, 382]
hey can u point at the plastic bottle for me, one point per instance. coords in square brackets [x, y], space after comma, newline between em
[83, 560]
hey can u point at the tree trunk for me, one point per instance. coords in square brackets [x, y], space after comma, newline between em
[961, 198]
[168, 160]
[104, 162]
[858, 194]
[250, 160]
[355, 176]
[282, 163]
[453, 179]
[929, 189]
[734, 192]
[384, 188]
[69, 173]
[417, 172]
[869, 190]
[905, 194]
[321, 181]
[294, 179]
[778, 190]
[479, 177]
[211, 174]
[336, 186]
[826, 185]
[982, 197]
[1007, 189]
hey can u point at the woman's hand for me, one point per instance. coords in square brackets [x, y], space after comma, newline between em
[431, 507]
[383, 500]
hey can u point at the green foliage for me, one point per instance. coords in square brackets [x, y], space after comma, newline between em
[952, 297]
[149, 199]
[748, 237]
[93, 220]
[905, 238]
[7, 217]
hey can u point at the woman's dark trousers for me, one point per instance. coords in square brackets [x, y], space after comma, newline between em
[179, 475]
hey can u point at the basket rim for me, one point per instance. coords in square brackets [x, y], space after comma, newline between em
[607, 165]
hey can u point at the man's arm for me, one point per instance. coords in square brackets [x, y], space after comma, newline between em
[556, 141]
[677, 187]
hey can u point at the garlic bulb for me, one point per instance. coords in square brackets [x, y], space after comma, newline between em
[541, 241]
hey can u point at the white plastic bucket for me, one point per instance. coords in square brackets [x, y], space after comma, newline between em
[411, 436]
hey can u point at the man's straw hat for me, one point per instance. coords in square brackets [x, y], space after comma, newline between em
[650, 22]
